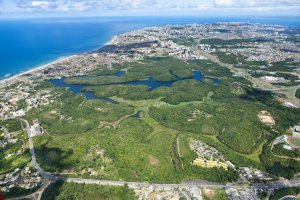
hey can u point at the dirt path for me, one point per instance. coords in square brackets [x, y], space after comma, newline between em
[178, 150]
[285, 157]
[116, 124]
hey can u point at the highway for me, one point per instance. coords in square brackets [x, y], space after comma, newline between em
[137, 185]
[133, 185]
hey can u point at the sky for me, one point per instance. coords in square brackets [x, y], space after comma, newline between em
[24, 8]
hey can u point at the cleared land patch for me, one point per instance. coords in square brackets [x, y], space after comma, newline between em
[266, 118]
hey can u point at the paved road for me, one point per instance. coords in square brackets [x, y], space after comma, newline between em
[36, 195]
[136, 185]
[33, 158]
[242, 72]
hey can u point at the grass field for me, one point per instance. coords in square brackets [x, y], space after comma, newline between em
[296, 142]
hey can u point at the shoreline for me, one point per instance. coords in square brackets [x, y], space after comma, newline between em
[6, 80]
[111, 41]
[35, 69]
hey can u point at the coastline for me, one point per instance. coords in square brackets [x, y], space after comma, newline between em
[115, 36]
[48, 65]
[35, 69]
[111, 41]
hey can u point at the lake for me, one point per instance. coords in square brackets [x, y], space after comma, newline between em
[150, 82]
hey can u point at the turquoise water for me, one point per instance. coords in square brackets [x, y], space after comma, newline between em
[25, 44]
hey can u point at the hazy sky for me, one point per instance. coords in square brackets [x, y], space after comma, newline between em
[148, 7]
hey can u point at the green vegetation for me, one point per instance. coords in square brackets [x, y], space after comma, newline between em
[11, 125]
[183, 73]
[21, 104]
[236, 158]
[136, 140]
[60, 190]
[297, 94]
[217, 41]
[280, 167]
[18, 192]
[291, 80]
[133, 152]
[14, 155]
[283, 66]
[286, 76]
[279, 150]
[227, 58]
[160, 69]
[284, 192]
[288, 83]
[217, 194]
[211, 69]
[208, 118]
[102, 70]
[184, 41]
[71, 114]
[8, 164]
[296, 142]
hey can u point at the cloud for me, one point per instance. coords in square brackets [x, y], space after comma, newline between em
[40, 3]
[224, 3]
[87, 6]
[256, 3]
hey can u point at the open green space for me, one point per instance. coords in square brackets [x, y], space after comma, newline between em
[161, 69]
[296, 142]
[184, 41]
[133, 152]
[73, 114]
[136, 140]
[232, 42]
[218, 194]
[217, 119]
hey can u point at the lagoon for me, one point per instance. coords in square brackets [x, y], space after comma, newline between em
[150, 82]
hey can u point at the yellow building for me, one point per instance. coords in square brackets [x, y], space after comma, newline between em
[209, 163]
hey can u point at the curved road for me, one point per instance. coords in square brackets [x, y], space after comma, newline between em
[136, 185]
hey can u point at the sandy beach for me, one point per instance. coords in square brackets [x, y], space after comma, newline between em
[45, 66]
[112, 41]
[35, 69]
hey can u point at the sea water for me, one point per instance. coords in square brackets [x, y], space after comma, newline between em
[28, 43]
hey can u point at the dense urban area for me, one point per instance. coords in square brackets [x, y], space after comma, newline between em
[200, 111]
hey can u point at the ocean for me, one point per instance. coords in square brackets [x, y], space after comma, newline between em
[28, 43]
